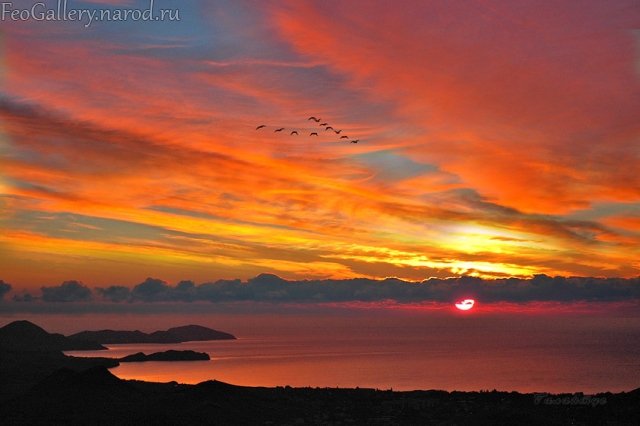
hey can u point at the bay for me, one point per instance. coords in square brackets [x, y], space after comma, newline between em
[405, 352]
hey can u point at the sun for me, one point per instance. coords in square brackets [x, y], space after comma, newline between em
[465, 305]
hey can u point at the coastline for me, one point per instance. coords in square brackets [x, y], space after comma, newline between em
[49, 387]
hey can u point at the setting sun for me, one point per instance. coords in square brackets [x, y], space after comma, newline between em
[466, 304]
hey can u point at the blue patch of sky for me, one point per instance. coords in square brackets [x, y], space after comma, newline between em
[187, 22]
[216, 31]
[390, 166]
[604, 210]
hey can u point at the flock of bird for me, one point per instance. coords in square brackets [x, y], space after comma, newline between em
[317, 120]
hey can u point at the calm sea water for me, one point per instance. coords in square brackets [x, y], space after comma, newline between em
[406, 353]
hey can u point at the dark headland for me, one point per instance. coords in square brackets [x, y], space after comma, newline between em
[26, 336]
[39, 385]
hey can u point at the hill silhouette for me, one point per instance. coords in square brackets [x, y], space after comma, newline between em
[97, 397]
[26, 336]
[187, 333]
[169, 355]
[93, 396]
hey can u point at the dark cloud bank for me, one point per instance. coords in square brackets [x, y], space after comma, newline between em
[271, 288]
[69, 291]
[4, 288]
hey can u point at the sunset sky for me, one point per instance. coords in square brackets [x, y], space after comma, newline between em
[497, 139]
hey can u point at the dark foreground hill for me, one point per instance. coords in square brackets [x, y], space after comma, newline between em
[20, 370]
[96, 397]
[28, 354]
[187, 333]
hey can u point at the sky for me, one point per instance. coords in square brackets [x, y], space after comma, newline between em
[496, 140]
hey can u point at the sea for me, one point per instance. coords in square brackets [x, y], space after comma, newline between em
[377, 350]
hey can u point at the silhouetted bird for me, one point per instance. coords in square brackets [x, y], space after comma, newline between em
[314, 133]
[328, 127]
[338, 131]
[344, 137]
[295, 132]
[324, 124]
[355, 141]
[314, 119]
[260, 126]
[279, 130]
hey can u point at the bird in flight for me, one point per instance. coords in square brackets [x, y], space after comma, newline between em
[344, 137]
[314, 133]
[279, 130]
[260, 126]
[295, 132]
[314, 119]
[337, 131]
[355, 141]
[324, 124]
[328, 127]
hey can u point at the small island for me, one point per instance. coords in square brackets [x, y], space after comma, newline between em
[170, 355]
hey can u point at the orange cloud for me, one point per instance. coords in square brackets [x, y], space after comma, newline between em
[534, 111]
